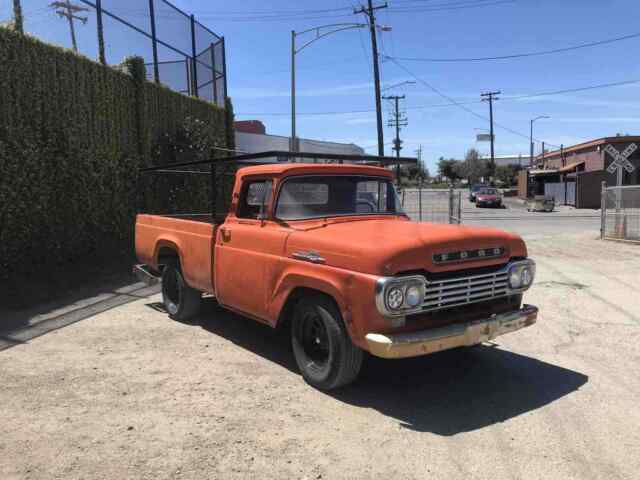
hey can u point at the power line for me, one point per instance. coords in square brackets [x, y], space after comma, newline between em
[463, 107]
[456, 104]
[521, 55]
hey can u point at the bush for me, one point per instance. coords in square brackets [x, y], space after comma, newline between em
[72, 135]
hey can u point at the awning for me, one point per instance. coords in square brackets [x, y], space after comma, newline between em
[571, 167]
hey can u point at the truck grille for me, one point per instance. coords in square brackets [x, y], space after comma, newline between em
[452, 292]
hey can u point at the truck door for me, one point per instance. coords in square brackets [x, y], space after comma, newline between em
[248, 252]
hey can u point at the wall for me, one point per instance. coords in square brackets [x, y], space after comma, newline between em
[72, 135]
[253, 143]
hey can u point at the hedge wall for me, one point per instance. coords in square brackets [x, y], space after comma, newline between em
[72, 135]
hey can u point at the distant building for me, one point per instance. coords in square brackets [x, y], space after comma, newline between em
[505, 160]
[251, 137]
[574, 175]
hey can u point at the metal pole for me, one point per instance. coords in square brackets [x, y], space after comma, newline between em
[194, 74]
[215, 78]
[459, 208]
[531, 145]
[224, 67]
[292, 146]
[450, 203]
[100, 30]
[154, 42]
[603, 209]
[17, 16]
[420, 200]
[376, 78]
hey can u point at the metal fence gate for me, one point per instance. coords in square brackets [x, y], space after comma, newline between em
[563, 193]
[621, 213]
[428, 205]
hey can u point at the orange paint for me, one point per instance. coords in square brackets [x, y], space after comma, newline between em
[248, 264]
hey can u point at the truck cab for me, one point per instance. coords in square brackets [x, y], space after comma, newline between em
[326, 252]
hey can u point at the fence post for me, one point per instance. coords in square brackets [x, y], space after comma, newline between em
[420, 200]
[154, 42]
[215, 79]
[603, 209]
[18, 20]
[194, 74]
[224, 67]
[101, 56]
[450, 203]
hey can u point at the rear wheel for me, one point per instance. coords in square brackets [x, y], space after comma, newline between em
[321, 345]
[179, 299]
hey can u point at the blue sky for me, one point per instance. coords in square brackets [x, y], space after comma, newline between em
[334, 74]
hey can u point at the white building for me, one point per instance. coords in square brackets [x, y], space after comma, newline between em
[504, 160]
[251, 137]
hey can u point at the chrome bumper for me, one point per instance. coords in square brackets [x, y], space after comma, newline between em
[459, 335]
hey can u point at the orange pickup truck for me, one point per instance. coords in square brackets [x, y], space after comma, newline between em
[326, 251]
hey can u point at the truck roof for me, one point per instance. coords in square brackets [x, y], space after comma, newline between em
[285, 169]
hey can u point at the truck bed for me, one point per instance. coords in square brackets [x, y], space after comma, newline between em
[160, 237]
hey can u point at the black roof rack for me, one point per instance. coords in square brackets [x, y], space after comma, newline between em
[276, 156]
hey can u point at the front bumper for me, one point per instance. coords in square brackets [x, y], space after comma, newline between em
[458, 335]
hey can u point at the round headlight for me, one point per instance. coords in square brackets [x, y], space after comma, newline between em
[526, 277]
[395, 297]
[413, 296]
[515, 278]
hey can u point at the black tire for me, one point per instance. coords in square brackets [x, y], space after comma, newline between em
[180, 300]
[323, 350]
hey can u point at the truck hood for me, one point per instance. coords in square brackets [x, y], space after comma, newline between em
[392, 245]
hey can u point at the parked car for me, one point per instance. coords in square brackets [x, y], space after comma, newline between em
[473, 190]
[488, 197]
[326, 252]
[541, 203]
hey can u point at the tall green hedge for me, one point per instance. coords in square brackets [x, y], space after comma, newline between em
[72, 135]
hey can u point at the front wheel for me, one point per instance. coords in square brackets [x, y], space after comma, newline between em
[321, 345]
[179, 299]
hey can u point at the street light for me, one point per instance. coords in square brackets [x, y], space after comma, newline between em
[531, 138]
[331, 29]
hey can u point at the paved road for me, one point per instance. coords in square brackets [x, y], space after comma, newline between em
[128, 393]
[514, 217]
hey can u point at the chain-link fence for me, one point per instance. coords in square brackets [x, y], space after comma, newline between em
[429, 205]
[621, 213]
[179, 51]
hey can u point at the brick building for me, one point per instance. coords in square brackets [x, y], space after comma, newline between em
[574, 175]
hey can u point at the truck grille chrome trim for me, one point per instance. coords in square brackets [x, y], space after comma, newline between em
[453, 292]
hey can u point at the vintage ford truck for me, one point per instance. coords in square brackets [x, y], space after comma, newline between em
[326, 251]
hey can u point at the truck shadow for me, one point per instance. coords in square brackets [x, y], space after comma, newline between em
[446, 393]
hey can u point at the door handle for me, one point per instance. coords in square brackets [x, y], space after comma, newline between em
[225, 234]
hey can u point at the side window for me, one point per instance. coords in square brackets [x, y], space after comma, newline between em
[255, 199]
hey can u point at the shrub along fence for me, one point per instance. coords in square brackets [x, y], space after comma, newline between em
[72, 135]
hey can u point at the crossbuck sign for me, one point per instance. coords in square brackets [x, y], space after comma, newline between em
[620, 160]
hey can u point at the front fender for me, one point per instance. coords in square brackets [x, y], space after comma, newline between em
[351, 291]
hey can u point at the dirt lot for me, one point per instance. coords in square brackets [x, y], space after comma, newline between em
[127, 393]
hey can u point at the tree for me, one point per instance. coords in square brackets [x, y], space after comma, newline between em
[473, 167]
[449, 168]
[507, 174]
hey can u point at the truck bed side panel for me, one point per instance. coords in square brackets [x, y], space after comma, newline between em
[191, 240]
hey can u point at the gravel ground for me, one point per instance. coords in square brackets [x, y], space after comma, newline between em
[128, 393]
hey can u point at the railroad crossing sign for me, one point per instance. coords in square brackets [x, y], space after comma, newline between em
[620, 160]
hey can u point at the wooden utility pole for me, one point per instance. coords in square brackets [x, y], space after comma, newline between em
[490, 97]
[369, 11]
[67, 10]
[397, 120]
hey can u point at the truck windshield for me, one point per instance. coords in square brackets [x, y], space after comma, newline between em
[338, 195]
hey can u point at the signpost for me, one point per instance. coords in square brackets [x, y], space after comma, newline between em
[620, 161]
